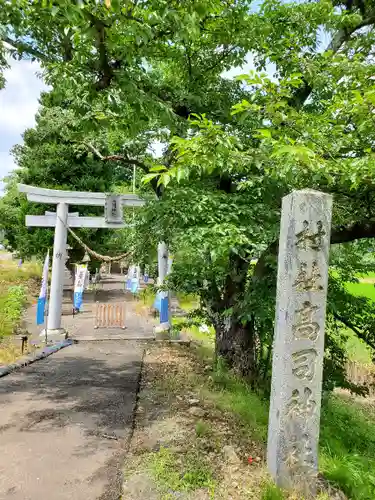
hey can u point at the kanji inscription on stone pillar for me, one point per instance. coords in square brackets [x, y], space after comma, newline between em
[302, 279]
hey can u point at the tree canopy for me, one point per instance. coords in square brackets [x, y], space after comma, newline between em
[133, 73]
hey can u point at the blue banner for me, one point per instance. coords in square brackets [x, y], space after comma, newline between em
[43, 293]
[164, 313]
[157, 302]
[134, 285]
[78, 299]
[79, 286]
[40, 310]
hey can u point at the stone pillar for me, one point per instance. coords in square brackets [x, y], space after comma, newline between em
[58, 266]
[294, 420]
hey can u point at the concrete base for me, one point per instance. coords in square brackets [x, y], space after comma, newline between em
[162, 331]
[58, 332]
[162, 327]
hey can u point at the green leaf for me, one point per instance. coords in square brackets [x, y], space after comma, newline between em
[149, 177]
[264, 132]
[158, 168]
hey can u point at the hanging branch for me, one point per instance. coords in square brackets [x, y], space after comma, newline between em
[122, 158]
[360, 334]
[24, 47]
[338, 40]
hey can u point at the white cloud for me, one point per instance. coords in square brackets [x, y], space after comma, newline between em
[18, 106]
[6, 162]
[19, 99]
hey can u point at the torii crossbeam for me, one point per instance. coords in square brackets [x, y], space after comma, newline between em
[61, 220]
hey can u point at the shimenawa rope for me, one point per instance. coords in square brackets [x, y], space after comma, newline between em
[98, 256]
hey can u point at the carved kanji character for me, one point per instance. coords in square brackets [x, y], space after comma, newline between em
[300, 457]
[114, 208]
[300, 405]
[304, 364]
[305, 327]
[305, 282]
[308, 239]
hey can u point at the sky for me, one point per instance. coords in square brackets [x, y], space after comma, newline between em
[18, 106]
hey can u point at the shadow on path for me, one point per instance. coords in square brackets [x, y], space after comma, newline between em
[64, 423]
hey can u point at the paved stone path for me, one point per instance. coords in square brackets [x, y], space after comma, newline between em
[81, 326]
[65, 421]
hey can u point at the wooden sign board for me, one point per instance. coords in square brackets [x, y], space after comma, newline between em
[113, 209]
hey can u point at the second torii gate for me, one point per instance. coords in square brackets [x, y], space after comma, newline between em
[113, 205]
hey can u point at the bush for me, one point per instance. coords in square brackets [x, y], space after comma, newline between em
[11, 307]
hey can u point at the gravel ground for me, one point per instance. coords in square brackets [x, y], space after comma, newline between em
[65, 423]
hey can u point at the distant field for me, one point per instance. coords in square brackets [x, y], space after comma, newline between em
[357, 349]
[363, 289]
[370, 274]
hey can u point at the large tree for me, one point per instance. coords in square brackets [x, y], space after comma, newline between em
[311, 126]
[138, 70]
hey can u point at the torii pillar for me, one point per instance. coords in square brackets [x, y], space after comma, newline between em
[164, 268]
[58, 268]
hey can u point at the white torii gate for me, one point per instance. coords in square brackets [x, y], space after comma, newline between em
[113, 205]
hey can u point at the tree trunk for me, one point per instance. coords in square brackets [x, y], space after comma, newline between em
[236, 344]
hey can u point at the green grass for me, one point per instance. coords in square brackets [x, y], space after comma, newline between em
[187, 302]
[347, 445]
[202, 428]
[347, 435]
[11, 306]
[147, 296]
[9, 352]
[232, 394]
[271, 492]
[10, 273]
[194, 332]
[175, 473]
[357, 349]
[370, 274]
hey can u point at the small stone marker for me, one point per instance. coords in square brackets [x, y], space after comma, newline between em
[293, 433]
